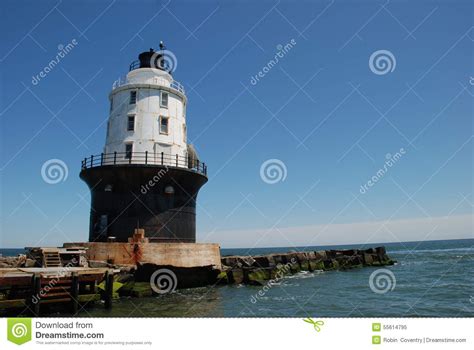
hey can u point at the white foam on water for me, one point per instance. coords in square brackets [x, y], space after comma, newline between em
[447, 250]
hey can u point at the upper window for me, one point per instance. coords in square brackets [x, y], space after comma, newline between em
[111, 104]
[164, 99]
[128, 150]
[164, 125]
[131, 123]
[184, 133]
[133, 97]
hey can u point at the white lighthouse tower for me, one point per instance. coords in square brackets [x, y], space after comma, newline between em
[148, 111]
[148, 175]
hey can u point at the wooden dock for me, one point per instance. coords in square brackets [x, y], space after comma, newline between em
[34, 289]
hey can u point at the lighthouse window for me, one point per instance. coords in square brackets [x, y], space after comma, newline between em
[184, 133]
[164, 125]
[131, 123]
[133, 97]
[128, 150]
[164, 99]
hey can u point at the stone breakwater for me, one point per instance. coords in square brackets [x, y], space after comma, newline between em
[250, 270]
[137, 279]
[258, 269]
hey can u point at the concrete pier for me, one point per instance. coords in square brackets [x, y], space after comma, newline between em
[181, 255]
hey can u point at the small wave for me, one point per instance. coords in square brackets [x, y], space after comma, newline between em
[275, 283]
[447, 250]
[304, 274]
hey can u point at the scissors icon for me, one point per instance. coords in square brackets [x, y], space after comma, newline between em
[316, 324]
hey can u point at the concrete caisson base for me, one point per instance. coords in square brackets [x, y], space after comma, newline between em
[185, 255]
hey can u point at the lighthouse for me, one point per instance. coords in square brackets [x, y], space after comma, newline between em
[148, 176]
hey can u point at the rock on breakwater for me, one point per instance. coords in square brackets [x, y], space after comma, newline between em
[257, 269]
[16, 261]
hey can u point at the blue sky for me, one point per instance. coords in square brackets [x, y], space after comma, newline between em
[320, 111]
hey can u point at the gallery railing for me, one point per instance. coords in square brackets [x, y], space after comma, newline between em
[144, 158]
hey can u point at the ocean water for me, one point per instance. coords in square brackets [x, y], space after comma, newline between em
[434, 279]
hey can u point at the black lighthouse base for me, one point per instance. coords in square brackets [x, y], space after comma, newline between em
[157, 198]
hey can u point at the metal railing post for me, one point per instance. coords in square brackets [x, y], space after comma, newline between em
[162, 156]
[92, 160]
[101, 159]
[115, 157]
[146, 157]
[176, 160]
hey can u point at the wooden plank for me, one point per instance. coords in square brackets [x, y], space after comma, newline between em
[13, 303]
[54, 295]
[94, 278]
[55, 281]
[15, 281]
[52, 301]
[60, 288]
